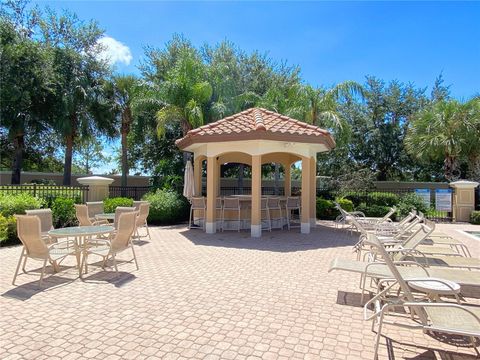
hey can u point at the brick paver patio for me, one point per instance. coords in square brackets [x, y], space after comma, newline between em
[204, 296]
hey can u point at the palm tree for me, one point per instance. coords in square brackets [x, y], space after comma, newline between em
[446, 130]
[186, 93]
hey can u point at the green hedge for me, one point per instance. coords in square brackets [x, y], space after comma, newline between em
[63, 213]
[111, 204]
[11, 204]
[475, 217]
[373, 198]
[167, 207]
[326, 208]
[410, 201]
[373, 210]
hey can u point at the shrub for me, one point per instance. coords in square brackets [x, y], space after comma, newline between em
[63, 212]
[111, 204]
[411, 201]
[383, 199]
[373, 210]
[11, 204]
[167, 207]
[326, 208]
[8, 230]
[475, 217]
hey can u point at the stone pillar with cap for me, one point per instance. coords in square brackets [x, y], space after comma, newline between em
[463, 199]
[97, 187]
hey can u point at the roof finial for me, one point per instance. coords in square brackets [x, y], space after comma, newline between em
[259, 125]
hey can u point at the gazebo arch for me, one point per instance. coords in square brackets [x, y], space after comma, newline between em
[257, 136]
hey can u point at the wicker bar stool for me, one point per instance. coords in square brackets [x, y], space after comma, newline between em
[273, 204]
[292, 204]
[231, 204]
[265, 210]
[199, 205]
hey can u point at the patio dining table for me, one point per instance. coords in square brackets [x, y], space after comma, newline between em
[105, 216]
[80, 233]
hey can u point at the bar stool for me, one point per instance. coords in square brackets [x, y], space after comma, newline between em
[231, 204]
[198, 204]
[292, 204]
[265, 210]
[273, 205]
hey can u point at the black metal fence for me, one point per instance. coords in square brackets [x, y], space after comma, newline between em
[49, 192]
[133, 192]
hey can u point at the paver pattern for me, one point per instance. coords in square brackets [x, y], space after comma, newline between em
[199, 296]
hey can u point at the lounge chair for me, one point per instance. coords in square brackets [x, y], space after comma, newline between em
[121, 241]
[34, 247]
[143, 210]
[439, 317]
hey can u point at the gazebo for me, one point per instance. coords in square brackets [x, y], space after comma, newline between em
[254, 137]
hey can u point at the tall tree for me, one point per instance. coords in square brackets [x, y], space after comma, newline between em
[26, 79]
[80, 106]
[447, 130]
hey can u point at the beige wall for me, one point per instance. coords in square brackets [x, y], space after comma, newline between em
[27, 177]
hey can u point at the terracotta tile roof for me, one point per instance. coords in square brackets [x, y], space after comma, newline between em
[257, 123]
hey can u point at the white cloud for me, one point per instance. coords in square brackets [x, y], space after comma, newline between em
[114, 51]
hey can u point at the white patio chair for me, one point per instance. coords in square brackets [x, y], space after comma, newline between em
[121, 241]
[143, 211]
[120, 210]
[81, 211]
[441, 317]
[95, 208]
[34, 247]
[231, 205]
[46, 222]
[198, 205]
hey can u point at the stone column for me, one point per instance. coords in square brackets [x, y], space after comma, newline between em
[463, 199]
[97, 187]
[313, 191]
[212, 188]
[306, 201]
[287, 181]
[256, 222]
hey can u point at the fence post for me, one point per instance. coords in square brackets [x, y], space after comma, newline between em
[34, 190]
[463, 199]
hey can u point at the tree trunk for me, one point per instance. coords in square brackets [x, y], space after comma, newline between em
[473, 172]
[67, 168]
[19, 145]
[126, 121]
[69, 140]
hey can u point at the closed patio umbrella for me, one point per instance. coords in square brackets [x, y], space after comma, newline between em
[189, 183]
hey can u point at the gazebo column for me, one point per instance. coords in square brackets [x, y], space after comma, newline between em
[256, 222]
[287, 181]
[197, 175]
[306, 195]
[313, 191]
[212, 188]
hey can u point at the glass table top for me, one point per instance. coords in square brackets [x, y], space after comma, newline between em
[81, 230]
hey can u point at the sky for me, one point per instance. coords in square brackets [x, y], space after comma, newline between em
[330, 41]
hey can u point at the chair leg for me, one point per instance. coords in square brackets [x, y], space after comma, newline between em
[114, 262]
[43, 271]
[134, 256]
[288, 217]
[148, 231]
[239, 220]
[18, 265]
[24, 262]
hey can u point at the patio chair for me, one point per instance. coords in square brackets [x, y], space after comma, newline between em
[265, 215]
[218, 210]
[94, 208]
[198, 204]
[231, 205]
[469, 280]
[46, 222]
[121, 241]
[81, 212]
[275, 211]
[292, 204]
[120, 210]
[143, 212]
[136, 204]
[438, 317]
[34, 247]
